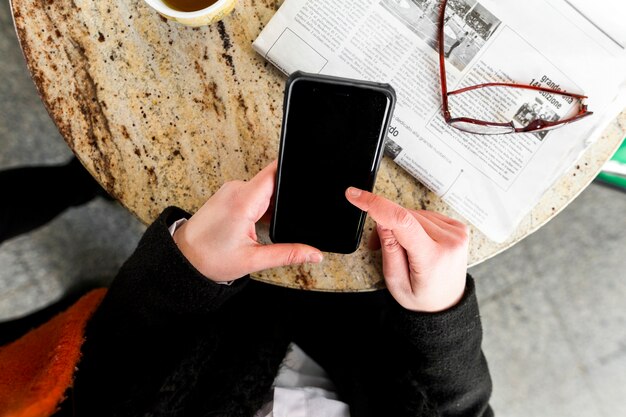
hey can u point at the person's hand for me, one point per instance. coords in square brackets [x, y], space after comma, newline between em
[220, 240]
[424, 253]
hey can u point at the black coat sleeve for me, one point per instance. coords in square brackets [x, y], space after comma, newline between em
[146, 325]
[441, 369]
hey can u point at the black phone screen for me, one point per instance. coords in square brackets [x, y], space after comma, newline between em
[332, 138]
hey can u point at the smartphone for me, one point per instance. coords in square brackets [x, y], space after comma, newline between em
[332, 137]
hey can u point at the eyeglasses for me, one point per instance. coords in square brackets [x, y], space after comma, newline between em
[483, 127]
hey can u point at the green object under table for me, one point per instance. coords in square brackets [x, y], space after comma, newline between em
[614, 171]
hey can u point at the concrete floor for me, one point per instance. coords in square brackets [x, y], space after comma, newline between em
[553, 306]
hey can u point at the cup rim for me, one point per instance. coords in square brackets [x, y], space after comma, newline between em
[162, 8]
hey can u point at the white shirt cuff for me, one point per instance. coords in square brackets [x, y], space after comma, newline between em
[172, 229]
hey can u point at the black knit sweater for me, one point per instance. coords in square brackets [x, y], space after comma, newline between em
[168, 342]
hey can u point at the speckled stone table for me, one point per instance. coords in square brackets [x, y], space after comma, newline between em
[162, 114]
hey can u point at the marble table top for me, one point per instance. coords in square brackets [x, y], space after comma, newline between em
[162, 114]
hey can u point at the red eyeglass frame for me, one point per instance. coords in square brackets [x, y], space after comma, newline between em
[533, 126]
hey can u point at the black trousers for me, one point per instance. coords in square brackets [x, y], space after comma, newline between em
[346, 333]
[32, 196]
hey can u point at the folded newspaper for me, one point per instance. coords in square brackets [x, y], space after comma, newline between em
[493, 181]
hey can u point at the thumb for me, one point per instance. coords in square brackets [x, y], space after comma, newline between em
[282, 254]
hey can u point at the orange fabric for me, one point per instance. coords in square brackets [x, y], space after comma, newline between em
[37, 369]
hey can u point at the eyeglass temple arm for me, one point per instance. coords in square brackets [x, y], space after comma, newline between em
[539, 124]
[523, 86]
[442, 65]
[444, 85]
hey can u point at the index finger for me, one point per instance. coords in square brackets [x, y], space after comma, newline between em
[405, 227]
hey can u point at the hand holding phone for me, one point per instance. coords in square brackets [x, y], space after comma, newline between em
[332, 137]
[220, 240]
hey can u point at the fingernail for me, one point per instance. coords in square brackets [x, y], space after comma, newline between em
[354, 192]
[315, 258]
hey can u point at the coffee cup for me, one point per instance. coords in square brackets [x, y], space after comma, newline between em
[202, 17]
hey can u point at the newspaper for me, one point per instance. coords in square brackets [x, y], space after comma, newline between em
[493, 181]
